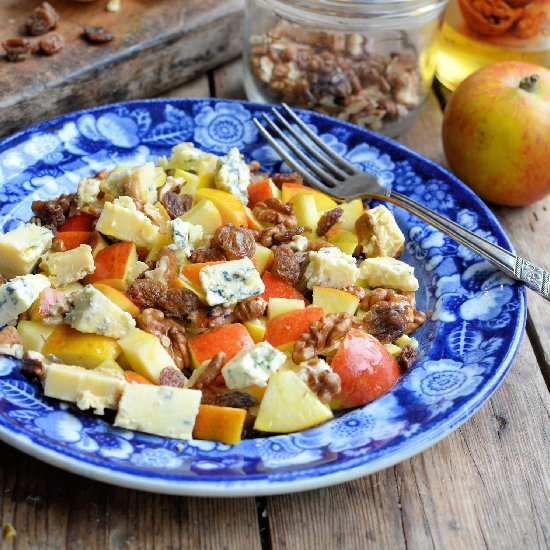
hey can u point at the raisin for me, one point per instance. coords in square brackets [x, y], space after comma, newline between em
[146, 293]
[42, 19]
[286, 265]
[179, 302]
[175, 204]
[387, 321]
[169, 376]
[201, 255]
[235, 400]
[407, 357]
[98, 35]
[52, 43]
[328, 220]
[279, 179]
[235, 242]
[18, 49]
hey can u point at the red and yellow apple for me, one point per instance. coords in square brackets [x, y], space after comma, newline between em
[276, 287]
[115, 265]
[496, 132]
[366, 369]
[289, 326]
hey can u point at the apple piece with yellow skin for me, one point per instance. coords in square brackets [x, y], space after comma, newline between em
[119, 298]
[230, 339]
[289, 326]
[289, 405]
[334, 300]
[256, 328]
[496, 132]
[223, 424]
[76, 348]
[114, 265]
[230, 208]
[366, 368]
[204, 213]
[42, 307]
[191, 271]
[323, 202]
[34, 334]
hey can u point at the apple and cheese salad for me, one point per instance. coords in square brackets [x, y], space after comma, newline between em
[196, 297]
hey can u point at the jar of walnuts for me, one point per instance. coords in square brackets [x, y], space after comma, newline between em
[368, 62]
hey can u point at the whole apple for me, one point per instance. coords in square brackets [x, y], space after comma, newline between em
[496, 132]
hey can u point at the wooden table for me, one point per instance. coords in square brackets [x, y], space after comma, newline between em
[485, 486]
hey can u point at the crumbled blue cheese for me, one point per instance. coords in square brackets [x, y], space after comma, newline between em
[388, 272]
[381, 235]
[229, 282]
[21, 248]
[87, 192]
[331, 267]
[70, 266]
[187, 157]
[122, 220]
[159, 410]
[299, 243]
[184, 235]
[94, 313]
[160, 273]
[252, 366]
[140, 183]
[233, 175]
[17, 295]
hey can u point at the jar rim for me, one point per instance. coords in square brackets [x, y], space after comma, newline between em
[366, 9]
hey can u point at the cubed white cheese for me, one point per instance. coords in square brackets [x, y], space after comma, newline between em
[159, 410]
[17, 295]
[87, 192]
[229, 282]
[87, 388]
[184, 235]
[122, 220]
[233, 175]
[381, 235]
[252, 366]
[70, 266]
[21, 248]
[187, 157]
[94, 313]
[138, 182]
[331, 267]
[388, 272]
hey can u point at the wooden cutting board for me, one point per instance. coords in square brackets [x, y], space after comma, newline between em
[159, 44]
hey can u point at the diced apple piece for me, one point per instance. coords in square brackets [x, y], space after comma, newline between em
[289, 405]
[278, 306]
[252, 221]
[228, 338]
[110, 367]
[230, 208]
[261, 190]
[34, 334]
[194, 181]
[334, 300]
[288, 327]
[276, 287]
[135, 378]
[323, 202]
[115, 265]
[306, 211]
[263, 257]
[204, 213]
[352, 210]
[43, 305]
[145, 354]
[119, 298]
[76, 348]
[68, 240]
[256, 328]
[191, 271]
[222, 424]
[79, 222]
[345, 240]
[97, 243]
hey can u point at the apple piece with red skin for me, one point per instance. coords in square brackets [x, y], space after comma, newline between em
[366, 368]
[43, 305]
[276, 287]
[79, 222]
[114, 265]
[71, 239]
[260, 191]
[228, 338]
[496, 132]
[290, 326]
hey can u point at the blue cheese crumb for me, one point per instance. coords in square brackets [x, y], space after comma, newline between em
[233, 175]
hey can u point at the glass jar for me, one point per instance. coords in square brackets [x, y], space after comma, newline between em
[367, 62]
[476, 33]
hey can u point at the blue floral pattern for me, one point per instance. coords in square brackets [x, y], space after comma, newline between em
[463, 355]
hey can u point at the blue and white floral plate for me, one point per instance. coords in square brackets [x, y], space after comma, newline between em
[465, 348]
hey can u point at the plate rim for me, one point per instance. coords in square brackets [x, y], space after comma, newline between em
[262, 485]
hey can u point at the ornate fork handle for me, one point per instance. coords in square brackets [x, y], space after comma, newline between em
[514, 266]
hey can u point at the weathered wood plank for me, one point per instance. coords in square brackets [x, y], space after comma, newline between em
[52, 509]
[155, 50]
[199, 87]
[228, 81]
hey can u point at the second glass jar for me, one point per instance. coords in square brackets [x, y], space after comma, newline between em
[366, 62]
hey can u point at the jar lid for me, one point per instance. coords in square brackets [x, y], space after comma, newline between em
[351, 10]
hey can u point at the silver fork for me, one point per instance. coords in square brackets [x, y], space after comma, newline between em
[325, 170]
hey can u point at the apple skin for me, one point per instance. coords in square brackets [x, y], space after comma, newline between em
[496, 135]
[366, 368]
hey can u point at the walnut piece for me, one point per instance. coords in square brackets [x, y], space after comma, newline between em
[250, 308]
[275, 211]
[206, 374]
[278, 234]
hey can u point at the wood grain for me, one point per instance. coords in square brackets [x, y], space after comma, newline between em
[158, 46]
